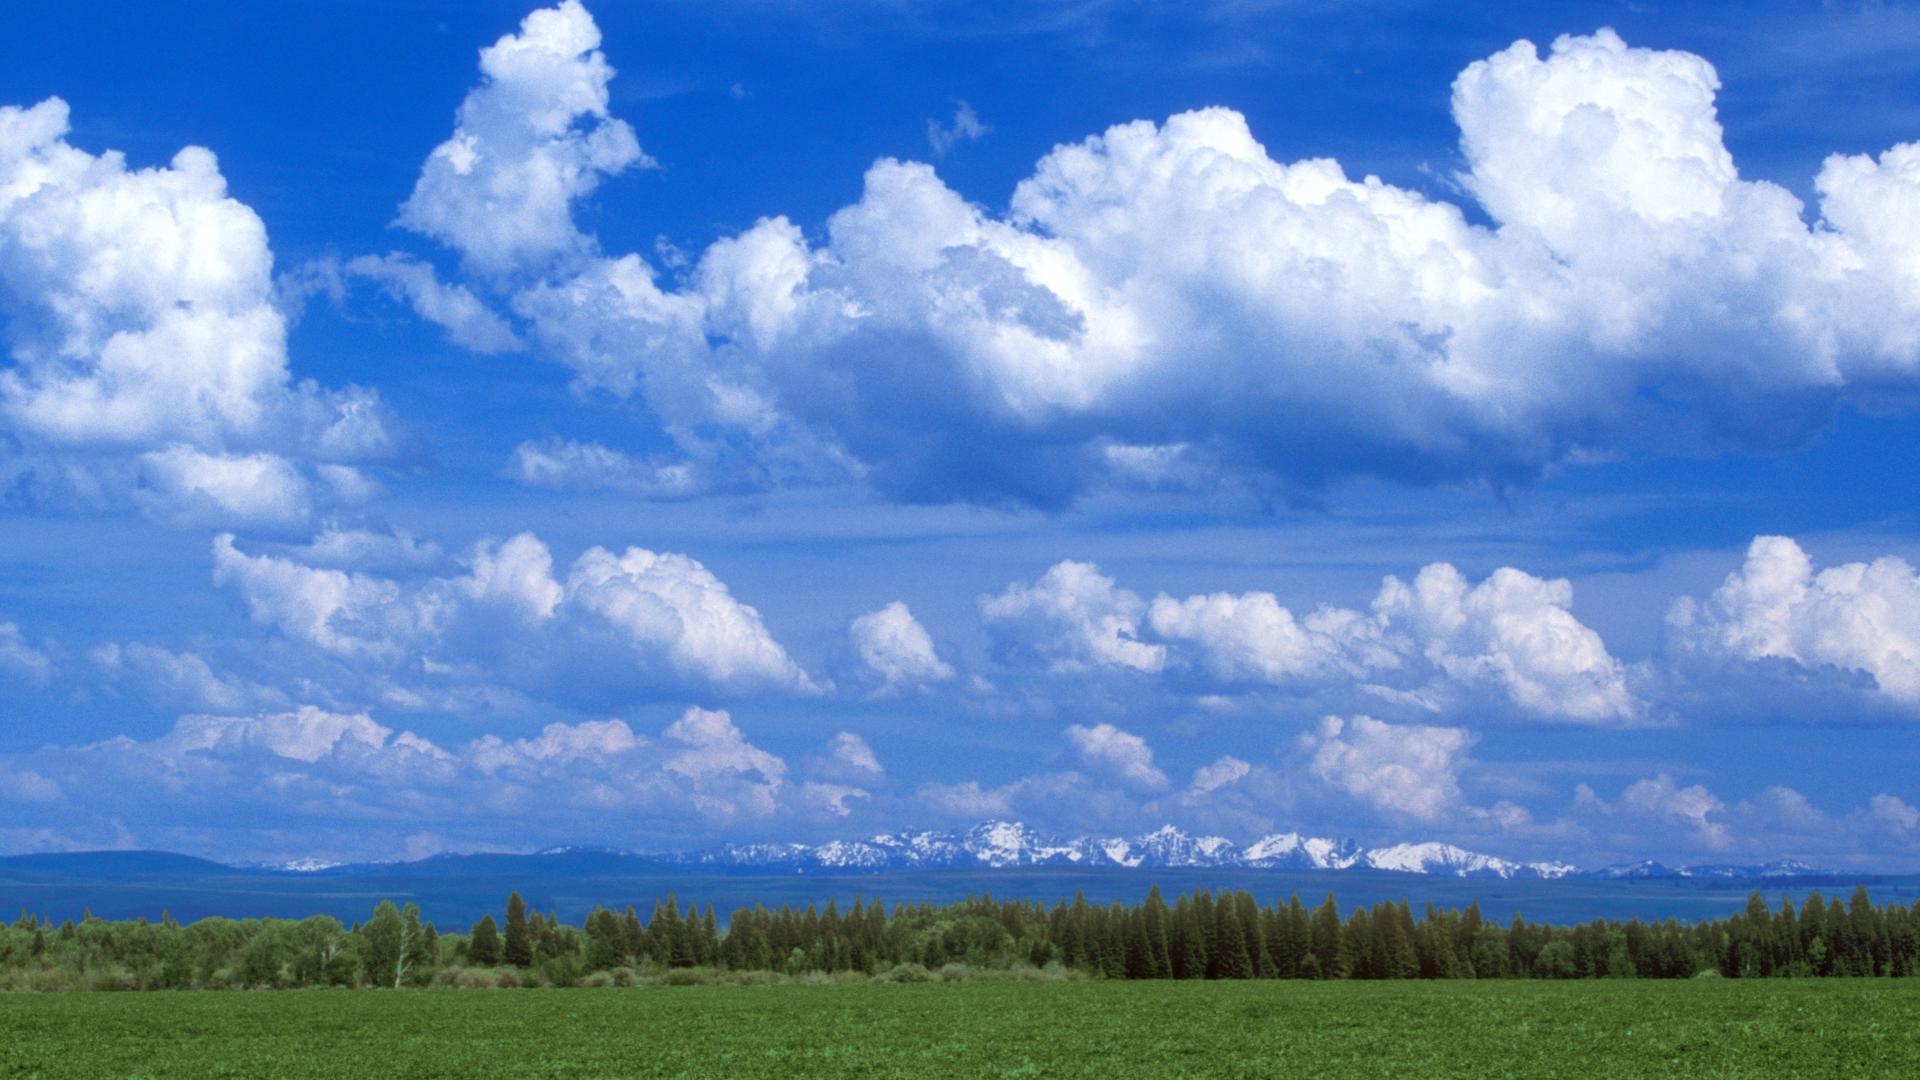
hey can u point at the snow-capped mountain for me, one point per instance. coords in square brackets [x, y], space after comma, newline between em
[1001, 844]
[303, 866]
[1779, 868]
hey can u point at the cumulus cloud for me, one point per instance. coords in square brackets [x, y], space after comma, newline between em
[1515, 631]
[1076, 619]
[148, 356]
[1253, 638]
[897, 649]
[534, 136]
[625, 621]
[1160, 292]
[236, 780]
[1857, 617]
[1123, 753]
[1438, 638]
[1660, 802]
[1408, 771]
[1895, 812]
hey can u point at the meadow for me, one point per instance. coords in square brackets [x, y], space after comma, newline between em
[1692, 1028]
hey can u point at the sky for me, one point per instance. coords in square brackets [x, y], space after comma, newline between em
[447, 427]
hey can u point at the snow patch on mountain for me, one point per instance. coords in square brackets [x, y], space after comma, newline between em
[1004, 844]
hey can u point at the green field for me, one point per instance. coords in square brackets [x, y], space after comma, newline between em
[1840, 1028]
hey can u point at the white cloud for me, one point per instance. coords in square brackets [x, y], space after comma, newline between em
[589, 741]
[531, 138]
[966, 800]
[570, 464]
[671, 603]
[1661, 801]
[364, 549]
[1252, 637]
[20, 658]
[1894, 811]
[966, 127]
[260, 489]
[1855, 616]
[306, 734]
[516, 573]
[896, 648]
[148, 354]
[1515, 631]
[1406, 770]
[27, 786]
[349, 614]
[1121, 752]
[1167, 290]
[632, 618]
[852, 753]
[1221, 773]
[468, 322]
[1076, 619]
[1436, 639]
[241, 781]
[183, 678]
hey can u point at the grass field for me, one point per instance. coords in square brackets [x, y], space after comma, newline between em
[1838, 1028]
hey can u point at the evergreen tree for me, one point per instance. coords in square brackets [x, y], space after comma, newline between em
[1154, 920]
[1231, 959]
[483, 947]
[517, 948]
[604, 940]
[1325, 941]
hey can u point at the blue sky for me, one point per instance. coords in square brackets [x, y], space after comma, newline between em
[453, 426]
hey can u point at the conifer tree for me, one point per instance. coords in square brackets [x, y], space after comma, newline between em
[1230, 959]
[1325, 936]
[517, 948]
[1154, 921]
[483, 947]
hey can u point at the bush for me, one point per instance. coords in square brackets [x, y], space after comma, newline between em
[905, 973]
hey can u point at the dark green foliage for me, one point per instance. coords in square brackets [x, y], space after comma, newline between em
[518, 948]
[483, 946]
[1203, 935]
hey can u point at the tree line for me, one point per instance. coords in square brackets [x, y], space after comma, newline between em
[1201, 935]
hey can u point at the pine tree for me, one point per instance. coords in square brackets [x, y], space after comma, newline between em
[1154, 920]
[709, 937]
[483, 947]
[518, 945]
[1325, 944]
[1230, 959]
[603, 940]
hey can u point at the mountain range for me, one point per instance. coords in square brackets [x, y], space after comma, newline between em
[1002, 844]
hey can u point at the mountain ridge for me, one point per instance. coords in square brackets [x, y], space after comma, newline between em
[1001, 844]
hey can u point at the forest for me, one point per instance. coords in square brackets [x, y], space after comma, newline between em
[1201, 935]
